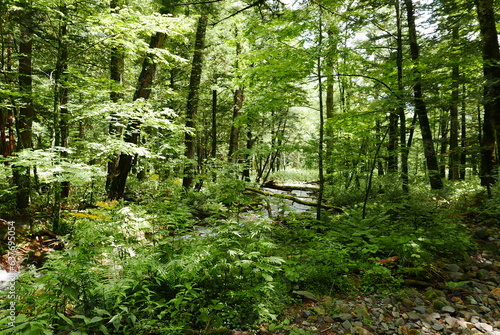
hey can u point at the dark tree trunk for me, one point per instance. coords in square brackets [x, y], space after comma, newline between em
[400, 109]
[214, 124]
[443, 143]
[192, 101]
[116, 73]
[392, 158]
[234, 136]
[491, 69]
[454, 168]
[24, 120]
[420, 106]
[119, 180]
[330, 103]
[463, 137]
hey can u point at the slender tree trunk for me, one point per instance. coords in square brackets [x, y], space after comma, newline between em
[400, 109]
[463, 137]
[192, 101]
[321, 127]
[61, 117]
[24, 120]
[234, 136]
[61, 113]
[420, 106]
[330, 103]
[454, 168]
[116, 75]
[214, 124]
[119, 180]
[443, 143]
[491, 69]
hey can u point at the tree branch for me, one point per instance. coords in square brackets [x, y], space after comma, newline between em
[256, 3]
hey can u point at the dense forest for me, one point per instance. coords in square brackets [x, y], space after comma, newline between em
[249, 167]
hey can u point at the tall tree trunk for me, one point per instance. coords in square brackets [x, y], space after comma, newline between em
[119, 180]
[392, 145]
[61, 126]
[420, 106]
[454, 164]
[330, 107]
[463, 136]
[400, 109]
[321, 126]
[234, 136]
[61, 117]
[443, 142]
[214, 124]
[192, 101]
[116, 74]
[24, 119]
[491, 69]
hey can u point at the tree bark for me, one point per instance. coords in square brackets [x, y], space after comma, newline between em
[400, 109]
[420, 106]
[116, 74]
[454, 164]
[491, 70]
[463, 136]
[192, 101]
[24, 119]
[119, 180]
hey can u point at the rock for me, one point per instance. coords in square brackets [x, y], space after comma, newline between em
[448, 309]
[453, 268]
[328, 319]
[420, 309]
[362, 331]
[456, 276]
[306, 295]
[440, 303]
[345, 316]
[407, 303]
[483, 326]
[450, 321]
[399, 322]
[362, 313]
[437, 326]
[433, 294]
[495, 291]
[347, 325]
[413, 316]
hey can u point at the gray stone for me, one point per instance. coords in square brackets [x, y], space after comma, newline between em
[399, 322]
[419, 301]
[420, 309]
[347, 325]
[448, 309]
[450, 321]
[413, 316]
[437, 326]
[345, 316]
[456, 276]
[306, 295]
[484, 326]
[453, 268]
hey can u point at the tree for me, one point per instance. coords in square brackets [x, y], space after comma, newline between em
[491, 70]
[26, 111]
[143, 91]
[420, 106]
[193, 100]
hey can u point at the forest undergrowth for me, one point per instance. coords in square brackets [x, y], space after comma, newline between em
[172, 261]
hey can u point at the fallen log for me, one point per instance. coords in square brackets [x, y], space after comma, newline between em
[275, 186]
[295, 199]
